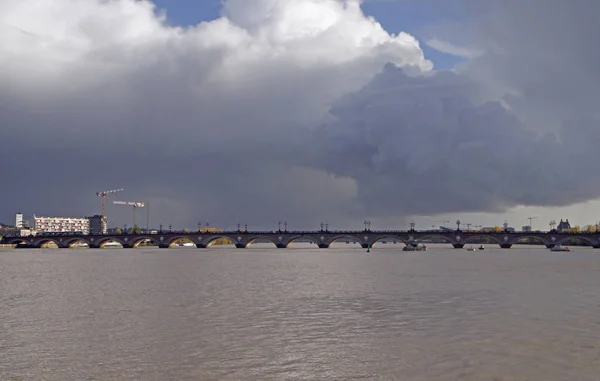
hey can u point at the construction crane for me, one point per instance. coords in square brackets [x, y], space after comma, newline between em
[135, 205]
[103, 195]
[530, 220]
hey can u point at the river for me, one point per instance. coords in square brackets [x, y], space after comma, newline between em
[300, 314]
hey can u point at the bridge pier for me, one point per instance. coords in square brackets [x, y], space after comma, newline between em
[323, 246]
[551, 245]
[201, 246]
[505, 245]
[596, 246]
[162, 246]
[281, 246]
[458, 245]
[364, 245]
[240, 246]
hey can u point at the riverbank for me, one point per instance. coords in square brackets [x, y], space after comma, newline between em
[7, 246]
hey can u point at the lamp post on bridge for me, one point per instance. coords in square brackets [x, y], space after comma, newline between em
[161, 228]
[279, 226]
[285, 226]
[170, 228]
[326, 226]
[367, 225]
[457, 225]
[412, 226]
[246, 228]
[322, 226]
[238, 225]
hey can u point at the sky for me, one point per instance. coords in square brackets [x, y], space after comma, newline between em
[305, 111]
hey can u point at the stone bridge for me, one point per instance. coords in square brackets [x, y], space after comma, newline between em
[282, 239]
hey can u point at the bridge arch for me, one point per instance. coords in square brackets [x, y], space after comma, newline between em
[101, 241]
[393, 238]
[18, 241]
[70, 242]
[435, 236]
[535, 238]
[490, 237]
[212, 239]
[270, 239]
[343, 238]
[172, 241]
[135, 242]
[45, 241]
[565, 240]
[302, 238]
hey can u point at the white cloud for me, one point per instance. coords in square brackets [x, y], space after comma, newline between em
[449, 48]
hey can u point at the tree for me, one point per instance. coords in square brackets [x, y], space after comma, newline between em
[574, 229]
[118, 231]
[498, 229]
[186, 231]
[590, 229]
[135, 230]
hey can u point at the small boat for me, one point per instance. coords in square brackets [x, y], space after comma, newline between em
[471, 248]
[481, 247]
[413, 246]
[559, 248]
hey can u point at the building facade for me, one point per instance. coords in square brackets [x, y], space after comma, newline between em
[61, 225]
[98, 225]
[16, 232]
[19, 220]
[563, 225]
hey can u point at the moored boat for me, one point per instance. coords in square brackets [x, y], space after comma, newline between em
[560, 248]
[414, 246]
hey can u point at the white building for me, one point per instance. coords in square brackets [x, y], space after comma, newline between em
[62, 225]
[19, 220]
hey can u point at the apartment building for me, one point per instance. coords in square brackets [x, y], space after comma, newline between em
[62, 224]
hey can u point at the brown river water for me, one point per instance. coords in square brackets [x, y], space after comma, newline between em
[300, 313]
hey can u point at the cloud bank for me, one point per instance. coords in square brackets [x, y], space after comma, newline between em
[298, 110]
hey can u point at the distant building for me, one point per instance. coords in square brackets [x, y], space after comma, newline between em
[497, 229]
[526, 229]
[97, 225]
[19, 220]
[563, 225]
[61, 225]
[16, 232]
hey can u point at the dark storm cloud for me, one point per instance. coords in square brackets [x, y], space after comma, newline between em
[517, 125]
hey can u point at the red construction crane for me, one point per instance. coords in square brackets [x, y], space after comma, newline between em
[103, 195]
[135, 205]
